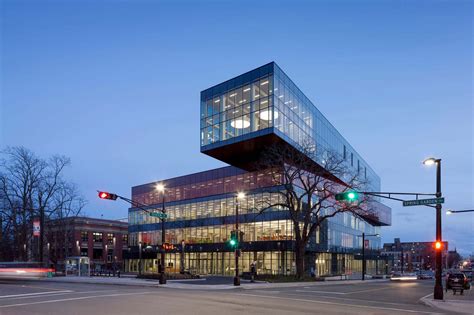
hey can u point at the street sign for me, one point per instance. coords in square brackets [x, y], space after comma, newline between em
[366, 245]
[160, 215]
[421, 202]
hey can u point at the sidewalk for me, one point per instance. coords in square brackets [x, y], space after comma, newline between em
[178, 284]
[462, 304]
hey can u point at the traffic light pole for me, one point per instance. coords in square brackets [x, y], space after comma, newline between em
[236, 253]
[363, 256]
[106, 195]
[438, 289]
[163, 236]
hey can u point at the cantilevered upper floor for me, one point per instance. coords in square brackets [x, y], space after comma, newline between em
[244, 115]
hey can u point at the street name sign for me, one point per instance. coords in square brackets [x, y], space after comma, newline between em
[160, 215]
[421, 202]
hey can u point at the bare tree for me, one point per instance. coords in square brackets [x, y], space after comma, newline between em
[309, 181]
[32, 187]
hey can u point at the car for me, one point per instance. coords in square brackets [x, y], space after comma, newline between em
[425, 275]
[457, 281]
[397, 276]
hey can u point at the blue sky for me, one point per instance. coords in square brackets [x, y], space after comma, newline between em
[115, 86]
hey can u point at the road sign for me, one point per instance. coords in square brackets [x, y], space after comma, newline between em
[160, 215]
[421, 202]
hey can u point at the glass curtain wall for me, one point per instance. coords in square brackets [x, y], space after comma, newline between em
[237, 112]
[300, 122]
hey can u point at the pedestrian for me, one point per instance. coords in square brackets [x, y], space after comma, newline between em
[312, 272]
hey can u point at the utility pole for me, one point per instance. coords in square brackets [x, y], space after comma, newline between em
[438, 289]
[41, 236]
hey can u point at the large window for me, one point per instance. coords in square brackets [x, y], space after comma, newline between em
[84, 236]
[84, 252]
[97, 236]
[110, 238]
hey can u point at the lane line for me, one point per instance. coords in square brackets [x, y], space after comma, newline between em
[40, 287]
[356, 300]
[340, 304]
[324, 292]
[75, 299]
[30, 294]
[370, 290]
[57, 293]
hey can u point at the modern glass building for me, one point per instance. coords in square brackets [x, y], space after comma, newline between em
[241, 118]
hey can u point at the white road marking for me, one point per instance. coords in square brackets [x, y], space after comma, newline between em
[340, 304]
[30, 294]
[349, 299]
[324, 292]
[426, 296]
[369, 290]
[75, 299]
[58, 293]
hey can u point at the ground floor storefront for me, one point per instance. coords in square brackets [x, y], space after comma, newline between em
[267, 262]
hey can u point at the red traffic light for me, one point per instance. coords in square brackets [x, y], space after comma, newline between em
[106, 195]
[438, 245]
[167, 246]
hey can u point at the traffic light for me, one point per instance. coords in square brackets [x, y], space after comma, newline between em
[106, 195]
[438, 245]
[234, 239]
[347, 196]
[167, 246]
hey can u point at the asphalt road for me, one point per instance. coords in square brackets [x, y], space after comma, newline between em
[38, 297]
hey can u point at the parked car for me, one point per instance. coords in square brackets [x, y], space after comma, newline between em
[457, 282]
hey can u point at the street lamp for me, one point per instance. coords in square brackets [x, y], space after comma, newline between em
[438, 288]
[240, 196]
[457, 211]
[140, 258]
[363, 252]
[161, 188]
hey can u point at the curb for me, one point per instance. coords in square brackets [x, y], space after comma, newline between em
[447, 305]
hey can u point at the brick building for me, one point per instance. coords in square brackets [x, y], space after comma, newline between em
[412, 256]
[103, 241]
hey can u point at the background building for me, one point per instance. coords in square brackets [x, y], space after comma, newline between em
[103, 241]
[240, 119]
[412, 256]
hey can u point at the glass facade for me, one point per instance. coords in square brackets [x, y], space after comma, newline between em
[201, 207]
[237, 112]
[266, 99]
[204, 223]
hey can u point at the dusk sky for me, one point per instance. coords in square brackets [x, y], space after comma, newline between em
[115, 86]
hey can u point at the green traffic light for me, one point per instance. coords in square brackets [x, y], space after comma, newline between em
[347, 196]
[351, 195]
[232, 242]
